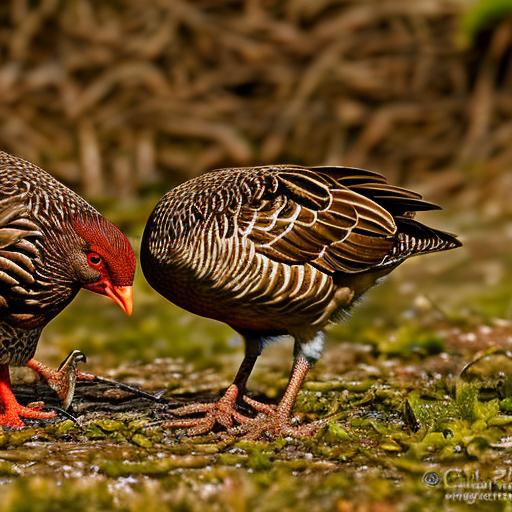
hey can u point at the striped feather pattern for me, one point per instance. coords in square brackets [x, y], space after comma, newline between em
[18, 251]
[35, 213]
[281, 248]
[36, 241]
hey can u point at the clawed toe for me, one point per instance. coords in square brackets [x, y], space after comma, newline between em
[193, 409]
[215, 413]
[12, 411]
[223, 413]
[260, 407]
[194, 426]
[272, 426]
[35, 413]
[12, 416]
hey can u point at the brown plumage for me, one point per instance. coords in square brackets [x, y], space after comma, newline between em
[279, 250]
[52, 244]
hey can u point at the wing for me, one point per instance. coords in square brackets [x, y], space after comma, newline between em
[338, 219]
[18, 253]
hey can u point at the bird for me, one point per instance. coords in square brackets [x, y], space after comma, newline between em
[52, 244]
[273, 251]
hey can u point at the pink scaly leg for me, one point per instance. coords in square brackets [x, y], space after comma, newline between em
[223, 412]
[274, 421]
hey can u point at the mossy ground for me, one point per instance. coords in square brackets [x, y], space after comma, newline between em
[392, 381]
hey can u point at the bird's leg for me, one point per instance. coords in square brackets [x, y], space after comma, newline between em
[222, 412]
[275, 421]
[12, 410]
[63, 380]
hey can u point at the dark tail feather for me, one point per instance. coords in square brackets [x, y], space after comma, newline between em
[415, 238]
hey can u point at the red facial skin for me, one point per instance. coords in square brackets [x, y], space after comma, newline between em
[110, 254]
[121, 295]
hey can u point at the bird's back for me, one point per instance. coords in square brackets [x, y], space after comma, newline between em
[35, 210]
[277, 247]
[45, 198]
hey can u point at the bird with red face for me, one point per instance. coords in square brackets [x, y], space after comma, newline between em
[52, 244]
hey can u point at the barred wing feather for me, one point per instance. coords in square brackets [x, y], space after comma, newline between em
[311, 216]
[17, 250]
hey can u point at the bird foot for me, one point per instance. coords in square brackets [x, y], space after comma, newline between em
[13, 412]
[223, 412]
[272, 422]
[63, 380]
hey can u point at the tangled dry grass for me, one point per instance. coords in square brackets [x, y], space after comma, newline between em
[113, 95]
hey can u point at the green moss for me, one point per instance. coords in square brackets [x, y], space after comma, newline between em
[506, 405]
[108, 425]
[390, 445]
[20, 437]
[409, 340]
[64, 428]
[162, 466]
[141, 441]
[44, 495]
[231, 459]
[259, 461]
[8, 469]
[4, 438]
[470, 407]
[335, 433]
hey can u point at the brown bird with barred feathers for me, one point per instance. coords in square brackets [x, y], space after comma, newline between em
[52, 244]
[278, 250]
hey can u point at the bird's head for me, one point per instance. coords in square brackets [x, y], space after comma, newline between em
[105, 263]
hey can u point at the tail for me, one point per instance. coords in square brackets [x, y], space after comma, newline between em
[414, 238]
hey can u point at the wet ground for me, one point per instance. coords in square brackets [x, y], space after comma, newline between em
[417, 386]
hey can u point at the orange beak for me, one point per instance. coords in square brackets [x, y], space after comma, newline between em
[121, 295]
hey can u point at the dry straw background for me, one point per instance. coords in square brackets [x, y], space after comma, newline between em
[113, 96]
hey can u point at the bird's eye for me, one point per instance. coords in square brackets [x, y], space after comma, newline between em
[94, 259]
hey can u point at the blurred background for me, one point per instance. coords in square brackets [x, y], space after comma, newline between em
[122, 100]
